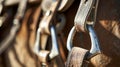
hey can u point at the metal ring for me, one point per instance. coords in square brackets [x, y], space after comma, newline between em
[95, 48]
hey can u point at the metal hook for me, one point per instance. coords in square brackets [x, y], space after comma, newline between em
[95, 48]
[70, 38]
[54, 51]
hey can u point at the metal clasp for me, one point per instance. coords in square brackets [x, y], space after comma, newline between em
[54, 51]
[95, 46]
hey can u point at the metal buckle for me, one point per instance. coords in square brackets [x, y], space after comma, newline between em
[95, 47]
[54, 51]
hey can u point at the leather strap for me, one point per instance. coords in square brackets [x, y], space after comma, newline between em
[76, 57]
[16, 25]
[99, 60]
[83, 13]
[48, 17]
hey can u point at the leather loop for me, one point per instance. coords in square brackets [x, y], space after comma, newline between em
[76, 57]
[86, 8]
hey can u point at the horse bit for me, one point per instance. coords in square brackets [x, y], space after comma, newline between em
[49, 27]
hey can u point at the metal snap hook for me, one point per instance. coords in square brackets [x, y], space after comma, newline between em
[54, 51]
[95, 47]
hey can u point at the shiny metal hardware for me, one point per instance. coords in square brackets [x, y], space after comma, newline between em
[95, 47]
[54, 50]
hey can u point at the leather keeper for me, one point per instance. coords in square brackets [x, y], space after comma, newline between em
[82, 15]
[76, 57]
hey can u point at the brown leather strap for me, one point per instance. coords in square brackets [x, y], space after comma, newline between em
[76, 57]
[82, 14]
[100, 60]
[48, 17]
